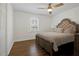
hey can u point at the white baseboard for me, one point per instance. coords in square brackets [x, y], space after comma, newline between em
[23, 40]
[10, 49]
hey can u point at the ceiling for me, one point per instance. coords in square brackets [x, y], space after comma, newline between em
[33, 7]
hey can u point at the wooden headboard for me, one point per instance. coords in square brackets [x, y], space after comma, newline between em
[66, 23]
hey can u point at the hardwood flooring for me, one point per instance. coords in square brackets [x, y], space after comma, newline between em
[29, 48]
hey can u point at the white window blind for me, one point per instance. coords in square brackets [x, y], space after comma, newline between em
[34, 24]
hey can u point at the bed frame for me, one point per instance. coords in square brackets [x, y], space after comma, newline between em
[48, 46]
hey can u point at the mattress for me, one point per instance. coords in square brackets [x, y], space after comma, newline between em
[57, 38]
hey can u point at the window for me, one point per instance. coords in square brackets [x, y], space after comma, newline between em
[34, 24]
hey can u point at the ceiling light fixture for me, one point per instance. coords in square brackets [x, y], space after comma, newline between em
[50, 11]
[50, 8]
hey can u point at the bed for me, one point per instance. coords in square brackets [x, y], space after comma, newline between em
[64, 34]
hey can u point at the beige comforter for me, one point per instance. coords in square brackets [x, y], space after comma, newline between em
[57, 38]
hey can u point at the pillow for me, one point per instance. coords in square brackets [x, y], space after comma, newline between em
[51, 30]
[59, 30]
[70, 30]
[54, 29]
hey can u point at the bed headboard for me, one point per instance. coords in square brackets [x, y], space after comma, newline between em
[66, 23]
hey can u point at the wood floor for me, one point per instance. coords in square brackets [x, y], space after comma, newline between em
[29, 48]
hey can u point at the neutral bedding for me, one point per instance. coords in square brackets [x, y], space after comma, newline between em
[57, 38]
[63, 33]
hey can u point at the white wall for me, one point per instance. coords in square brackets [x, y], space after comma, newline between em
[6, 30]
[9, 27]
[22, 24]
[3, 30]
[72, 14]
[0, 17]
